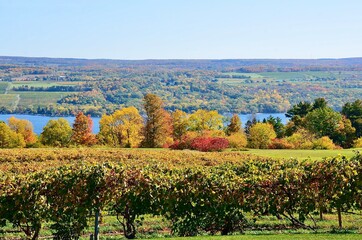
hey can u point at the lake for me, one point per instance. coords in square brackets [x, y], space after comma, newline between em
[40, 121]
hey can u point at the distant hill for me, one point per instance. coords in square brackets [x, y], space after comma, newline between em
[202, 64]
[64, 86]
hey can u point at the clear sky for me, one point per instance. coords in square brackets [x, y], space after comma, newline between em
[175, 29]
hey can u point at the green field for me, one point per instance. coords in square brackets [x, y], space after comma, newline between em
[276, 77]
[154, 227]
[3, 86]
[7, 100]
[38, 98]
[42, 83]
[302, 154]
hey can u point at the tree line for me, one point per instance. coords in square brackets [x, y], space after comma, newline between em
[311, 126]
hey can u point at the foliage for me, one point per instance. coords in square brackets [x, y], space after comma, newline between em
[326, 122]
[56, 133]
[299, 110]
[186, 140]
[353, 111]
[324, 143]
[122, 128]
[23, 127]
[82, 130]
[234, 125]
[237, 140]
[203, 120]
[277, 124]
[358, 143]
[197, 192]
[278, 143]
[302, 139]
[9, 138]
[180, 124]
[261, 135]
[209, 144]
[158, 122]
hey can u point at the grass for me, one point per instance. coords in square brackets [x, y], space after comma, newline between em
[39, 98]
[7, 100]
[3, 86]
[278, 237]
[274, 78]
[155, 227]
[42, 83]
[302, 154]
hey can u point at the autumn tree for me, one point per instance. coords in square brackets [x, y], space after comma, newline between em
[180, 122]
[158, 127]
[56, 133]
[23, 127]
[122, 128]
[82, 130]
[9, 138]
[261, 135]
[234, 125]
[203, 120]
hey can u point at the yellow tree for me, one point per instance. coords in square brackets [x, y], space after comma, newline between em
[23, 127]
[107, 132]
[203, 120]
[180, 122]
[122, 128]
[9, 138]
[261, 135]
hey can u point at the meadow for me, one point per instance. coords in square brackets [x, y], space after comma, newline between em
[303, 154]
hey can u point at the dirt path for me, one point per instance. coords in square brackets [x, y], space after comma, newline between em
[7, 88]
[16, 103]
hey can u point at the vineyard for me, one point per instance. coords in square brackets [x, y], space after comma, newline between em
[58, 192]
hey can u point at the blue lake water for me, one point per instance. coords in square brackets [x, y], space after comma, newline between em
[40, 121]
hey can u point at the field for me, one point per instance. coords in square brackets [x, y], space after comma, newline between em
[154, 165]
[24, 99]
[38, 98]
[3, 86]
[41, 83]
[302, 154]
[275, 78]
[8, 100]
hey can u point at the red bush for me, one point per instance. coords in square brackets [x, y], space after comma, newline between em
[209, 144]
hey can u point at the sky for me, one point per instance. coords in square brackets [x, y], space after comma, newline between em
[181, 29]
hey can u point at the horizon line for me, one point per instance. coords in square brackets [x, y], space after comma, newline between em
[182, 59]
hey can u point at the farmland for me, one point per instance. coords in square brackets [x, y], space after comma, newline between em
[237, 86]
[154, 169]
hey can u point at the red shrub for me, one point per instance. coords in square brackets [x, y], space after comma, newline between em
[209, 144]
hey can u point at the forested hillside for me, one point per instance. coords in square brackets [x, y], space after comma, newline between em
[65, 86]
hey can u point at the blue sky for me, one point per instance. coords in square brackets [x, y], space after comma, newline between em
[181, 29]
